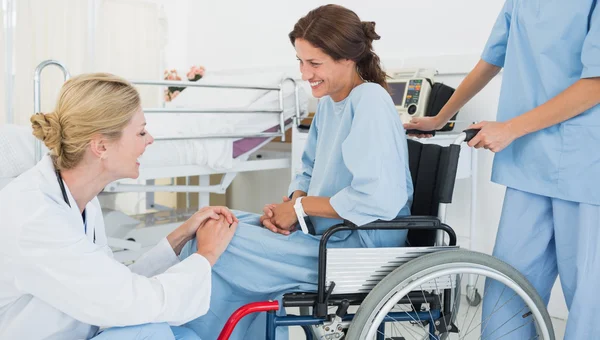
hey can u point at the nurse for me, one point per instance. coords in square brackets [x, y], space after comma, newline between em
[58, 277]
[546, 142]
[355, 167]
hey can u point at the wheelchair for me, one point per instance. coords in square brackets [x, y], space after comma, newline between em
[412, 292]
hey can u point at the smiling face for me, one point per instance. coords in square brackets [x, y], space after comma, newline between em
[122, 154]
[325, 75]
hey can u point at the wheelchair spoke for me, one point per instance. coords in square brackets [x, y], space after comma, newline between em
[457, 297]
[469, 308]
[428, 309]
[477, 310]
[416, 312]
[530, 321]
[485, 291]
[495, 310]
[409, 331]
[438, 294]
[491, 314]
[505, 322]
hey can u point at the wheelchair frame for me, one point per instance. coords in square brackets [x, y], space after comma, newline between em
[323, 298]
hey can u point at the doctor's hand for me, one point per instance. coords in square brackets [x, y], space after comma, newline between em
[205, 214]
[267, 222]
[494, 136]
[424, 124]
[213, 237]
[187, 231]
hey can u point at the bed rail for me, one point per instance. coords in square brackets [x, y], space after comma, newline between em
[37, 100]
[280, 112]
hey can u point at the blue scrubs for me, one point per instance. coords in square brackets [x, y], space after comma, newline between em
[545, 46]
[356, 154]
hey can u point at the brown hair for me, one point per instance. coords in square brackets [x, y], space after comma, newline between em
[88, 104]
[341, 34]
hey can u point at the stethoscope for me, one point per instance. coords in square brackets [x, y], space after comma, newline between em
[66, 198]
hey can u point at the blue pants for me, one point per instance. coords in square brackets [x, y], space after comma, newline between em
[149, 331]
[543, 237]
[260, 265]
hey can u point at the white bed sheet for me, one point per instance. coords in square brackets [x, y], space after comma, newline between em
[17, 150]
[214, 153]
[4, 182]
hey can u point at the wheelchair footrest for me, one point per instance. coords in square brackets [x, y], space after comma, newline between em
[309, 299]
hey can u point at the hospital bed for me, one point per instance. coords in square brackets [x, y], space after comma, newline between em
[215, 126]
[412, 292]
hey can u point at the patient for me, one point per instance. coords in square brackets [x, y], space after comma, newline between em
[355, 168]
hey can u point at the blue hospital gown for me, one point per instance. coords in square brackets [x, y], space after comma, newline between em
[356, 154]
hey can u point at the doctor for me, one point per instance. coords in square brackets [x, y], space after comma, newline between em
[546, 142]
[58, 279]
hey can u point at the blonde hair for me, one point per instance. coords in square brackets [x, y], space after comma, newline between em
[88, 104]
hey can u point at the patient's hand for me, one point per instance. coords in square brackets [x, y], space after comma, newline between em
[284, 216]
[267, 219]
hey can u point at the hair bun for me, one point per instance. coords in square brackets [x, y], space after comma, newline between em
[47, 128]
[369, 29]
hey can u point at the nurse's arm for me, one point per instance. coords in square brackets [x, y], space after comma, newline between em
[473, 83]
[576, 99]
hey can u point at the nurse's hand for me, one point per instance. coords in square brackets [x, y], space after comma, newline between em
[494, 136]
[213, 237]
[424, 124]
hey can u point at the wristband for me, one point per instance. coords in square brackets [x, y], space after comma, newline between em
[300, 214]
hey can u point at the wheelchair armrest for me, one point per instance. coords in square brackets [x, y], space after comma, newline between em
[406, 222]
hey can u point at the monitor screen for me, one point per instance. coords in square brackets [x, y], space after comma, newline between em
[397, 89]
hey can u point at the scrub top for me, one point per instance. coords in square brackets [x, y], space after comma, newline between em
[545, 46]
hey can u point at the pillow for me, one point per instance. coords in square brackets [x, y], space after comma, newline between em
[219, 98]
[16, 150]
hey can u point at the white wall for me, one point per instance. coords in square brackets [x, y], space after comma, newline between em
[446, 35]
[240, 34]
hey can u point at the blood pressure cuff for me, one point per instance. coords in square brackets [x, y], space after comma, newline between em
[440, 94]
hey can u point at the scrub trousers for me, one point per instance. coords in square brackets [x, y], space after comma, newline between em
[543, 237]
[150, 331]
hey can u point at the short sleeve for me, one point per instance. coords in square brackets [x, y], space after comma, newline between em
[590, 54]
[494, 51]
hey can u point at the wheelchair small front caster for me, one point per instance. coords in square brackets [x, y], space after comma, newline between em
[474, 299]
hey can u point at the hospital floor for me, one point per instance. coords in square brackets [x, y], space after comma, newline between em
[296, 333]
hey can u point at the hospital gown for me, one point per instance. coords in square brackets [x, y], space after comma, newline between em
[356, 154]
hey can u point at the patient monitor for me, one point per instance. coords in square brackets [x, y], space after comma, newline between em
[410, 92]
[410, 97]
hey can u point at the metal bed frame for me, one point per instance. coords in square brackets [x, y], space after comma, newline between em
[149, 174]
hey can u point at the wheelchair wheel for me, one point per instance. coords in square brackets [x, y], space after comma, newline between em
[427, 275]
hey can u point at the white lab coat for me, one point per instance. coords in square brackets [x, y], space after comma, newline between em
[55, 283]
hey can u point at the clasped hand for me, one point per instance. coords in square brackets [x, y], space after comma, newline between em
[280, 218]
